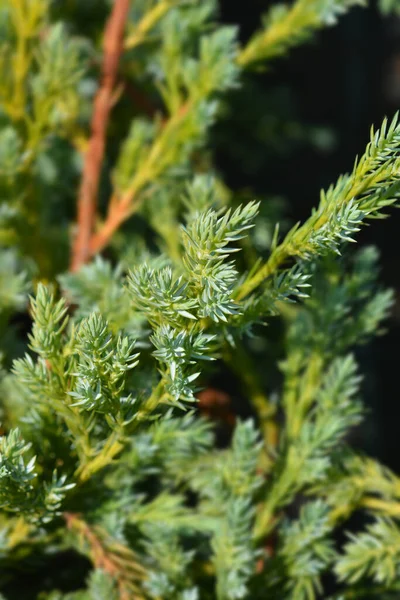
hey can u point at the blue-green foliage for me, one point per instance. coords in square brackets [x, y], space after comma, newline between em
[107, 446]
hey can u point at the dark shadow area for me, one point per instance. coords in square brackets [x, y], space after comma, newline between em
[311, 114]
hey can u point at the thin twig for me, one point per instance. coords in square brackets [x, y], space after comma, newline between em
[87, 201]
[149, 20]
[119, 561]
[119, 211]
[121, 208]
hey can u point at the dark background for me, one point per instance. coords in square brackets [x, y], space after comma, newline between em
[311, 113]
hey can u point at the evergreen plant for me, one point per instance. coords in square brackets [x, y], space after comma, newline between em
[131, 278]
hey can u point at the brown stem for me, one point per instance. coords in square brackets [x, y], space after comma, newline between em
[216, 404]
[120, 209]
[119, 561]
[87, 200]
[117, 214]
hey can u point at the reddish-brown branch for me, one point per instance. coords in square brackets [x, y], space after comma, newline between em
[87, 200]
[120, 209]
[117, 214]
[117, 560]
[139, 97]
[216, 404]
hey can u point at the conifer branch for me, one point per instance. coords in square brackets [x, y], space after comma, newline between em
[150, 151]
[110, 556]
[373, 185]
[288, 26]
[106, 400]
[87, 200]
[121, 208]
[27, 19]
[372, 554]
[149, 20]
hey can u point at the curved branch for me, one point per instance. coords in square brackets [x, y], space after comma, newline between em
[87, 200]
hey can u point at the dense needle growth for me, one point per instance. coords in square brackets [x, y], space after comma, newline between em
[130, 277]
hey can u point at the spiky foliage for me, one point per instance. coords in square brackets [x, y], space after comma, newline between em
[110, 465]
[286, 26]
